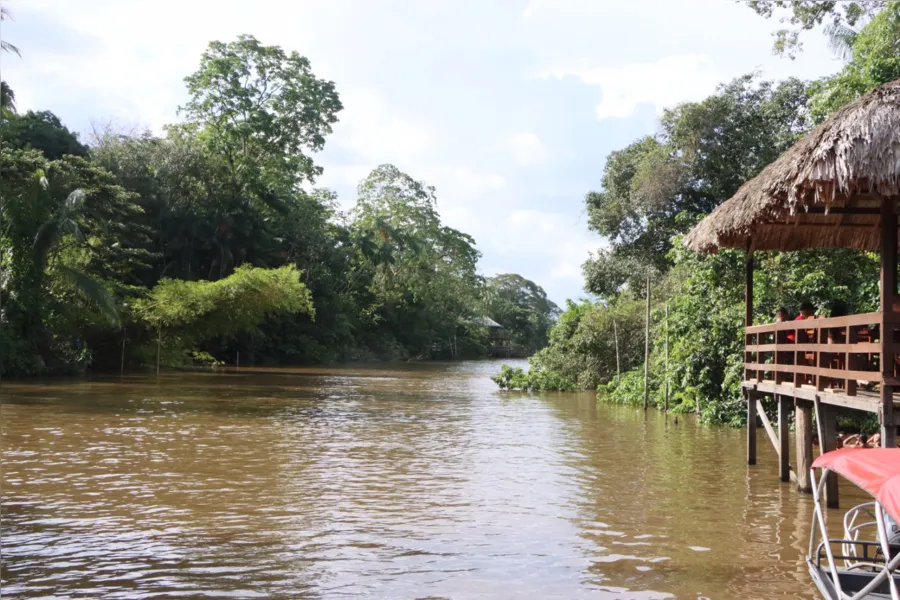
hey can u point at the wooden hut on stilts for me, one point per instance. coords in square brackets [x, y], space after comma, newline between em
[838, 187]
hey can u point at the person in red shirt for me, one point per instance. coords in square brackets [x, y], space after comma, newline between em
[782, 315]
[807, 311]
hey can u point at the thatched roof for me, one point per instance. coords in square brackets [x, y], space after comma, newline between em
[825, 191]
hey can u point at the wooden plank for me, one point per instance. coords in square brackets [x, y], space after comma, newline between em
[872, 318]
[803, 439]
[751, 427]
[860, 348]
[784, 465]
[833, 373]
[855, 402]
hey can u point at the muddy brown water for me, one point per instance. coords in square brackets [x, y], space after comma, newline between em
[365, 482]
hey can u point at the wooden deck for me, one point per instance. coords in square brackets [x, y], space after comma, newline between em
[863, 400]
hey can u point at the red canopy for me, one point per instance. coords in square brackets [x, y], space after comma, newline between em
[876, 470]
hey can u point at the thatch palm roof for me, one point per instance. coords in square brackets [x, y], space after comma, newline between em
[825, 191]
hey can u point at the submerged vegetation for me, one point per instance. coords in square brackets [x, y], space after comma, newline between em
[212, 239]
[657, 188]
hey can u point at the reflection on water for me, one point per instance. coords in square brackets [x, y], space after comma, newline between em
[420, 482]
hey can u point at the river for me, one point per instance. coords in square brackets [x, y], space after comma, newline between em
[419, 481]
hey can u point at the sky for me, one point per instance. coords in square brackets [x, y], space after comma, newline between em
[508, 107]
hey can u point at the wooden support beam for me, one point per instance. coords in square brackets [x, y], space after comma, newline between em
[888, 293]
[803, 438]
[751, 427]
[784, 465]
[748, 287]
[767, 425]
[827, 416]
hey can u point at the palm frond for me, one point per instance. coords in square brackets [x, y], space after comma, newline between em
[75, 200]
[840, 39]
[4, 45]
[93, 292]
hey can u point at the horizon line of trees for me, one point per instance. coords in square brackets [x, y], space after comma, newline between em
[212, 239]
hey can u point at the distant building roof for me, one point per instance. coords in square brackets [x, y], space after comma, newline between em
[486, 322]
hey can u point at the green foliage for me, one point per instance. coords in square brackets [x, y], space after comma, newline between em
[522, 308]
[583, 345]
[874, 59]
[41, 131]
[263, 110]
[188, 313]
[659, 187]
[804, 15]
[533, 380]
[414, 277]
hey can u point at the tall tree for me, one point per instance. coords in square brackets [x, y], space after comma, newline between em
[263, 110]
[658, 187]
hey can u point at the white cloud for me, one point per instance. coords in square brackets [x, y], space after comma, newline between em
[369, 128]
[527, 149]
[663, 83]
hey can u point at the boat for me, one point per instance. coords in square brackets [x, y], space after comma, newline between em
[863, 564]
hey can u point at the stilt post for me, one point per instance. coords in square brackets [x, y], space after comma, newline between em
[803, 434]
[751, 426]
[888, 296]
[828, 421]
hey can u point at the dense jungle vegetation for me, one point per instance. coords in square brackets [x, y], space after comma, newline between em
[655, 190]
[212, 240]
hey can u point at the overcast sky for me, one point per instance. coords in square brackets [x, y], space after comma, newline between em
[508, 107]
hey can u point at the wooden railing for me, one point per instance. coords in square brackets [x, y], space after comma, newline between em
[836, 354]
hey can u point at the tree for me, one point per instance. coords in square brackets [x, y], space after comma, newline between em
[41, 131]
[839, 17]
[522, 307]
[658, 187]
[874, 59]
[67, 238]
[188, 313]
[263, 111]
[421, 273]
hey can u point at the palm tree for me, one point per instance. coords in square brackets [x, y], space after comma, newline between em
[7, 97]
[52, 232]
[4, 45]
